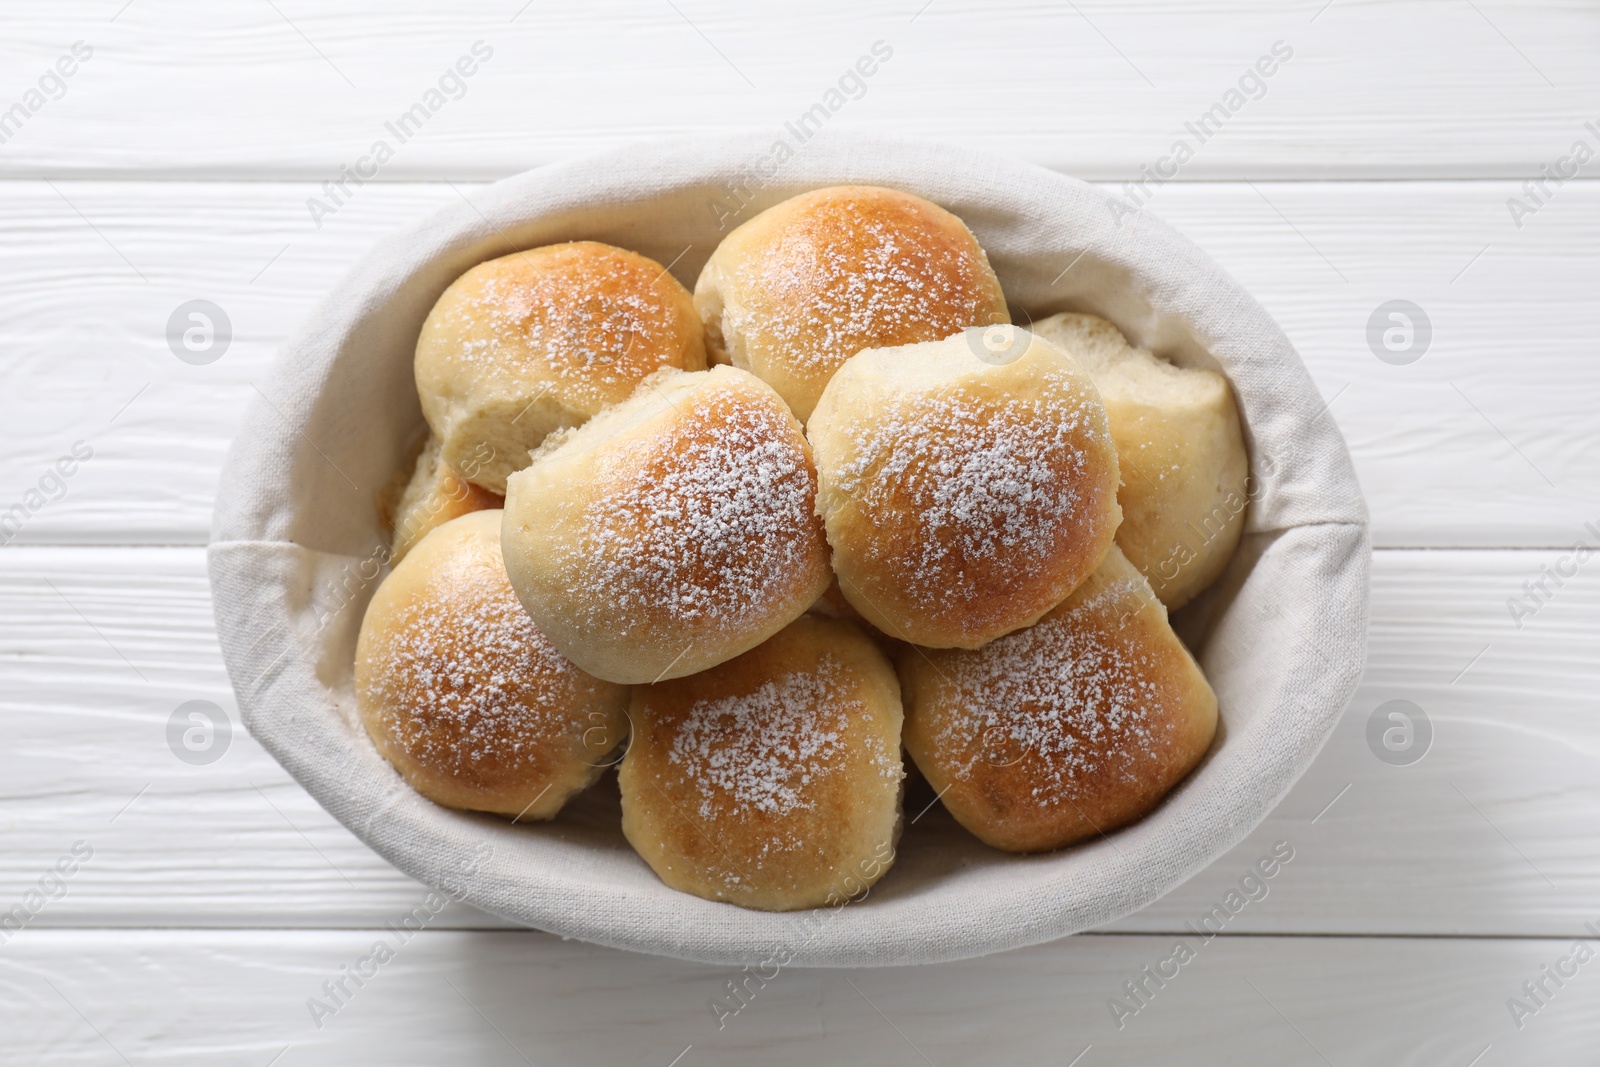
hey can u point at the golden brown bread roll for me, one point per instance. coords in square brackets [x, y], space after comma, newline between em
[433, 495]
[1068, 729]
[672, 532]
[464, 696]
[544, 339]
[1181, 447]
[773, 780]
[806, 284]
[963, 498]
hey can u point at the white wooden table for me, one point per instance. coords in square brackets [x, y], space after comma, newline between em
[207, 902]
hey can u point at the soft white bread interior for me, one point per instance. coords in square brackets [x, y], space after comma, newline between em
[1184, 486]
[541, 340]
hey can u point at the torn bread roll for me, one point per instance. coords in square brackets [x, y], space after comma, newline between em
[432, 496]
[541, 340]
[1184, 469]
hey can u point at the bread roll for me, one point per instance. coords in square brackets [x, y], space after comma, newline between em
[671, 533]
[543, 339]
[773, 780]
[805, 285]
[460, 691]
[433, 496]
[963, 497]
[1068, 729]
[1184, 468]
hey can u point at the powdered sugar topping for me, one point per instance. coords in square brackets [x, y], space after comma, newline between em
[594, 319]
[1067, 695]
[466, 677]
[858, 275]
[984, 481]
[763, 749]
[713, 524]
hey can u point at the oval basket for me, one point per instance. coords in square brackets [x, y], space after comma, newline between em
[297, 547]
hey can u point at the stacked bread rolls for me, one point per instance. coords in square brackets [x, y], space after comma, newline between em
[767, 540]
[671, 533]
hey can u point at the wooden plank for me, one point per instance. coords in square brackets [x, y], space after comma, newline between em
[1484, 441]
[1491, 833]
[1496, 819]
[295, 89]
[241, 997]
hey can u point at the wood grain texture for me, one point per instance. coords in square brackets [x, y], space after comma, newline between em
[215, 123]
[1485, 441]
[296, 89]
[1491, 833]
[491, 998]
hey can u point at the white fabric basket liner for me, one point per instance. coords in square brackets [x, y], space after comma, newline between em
[296, 539]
